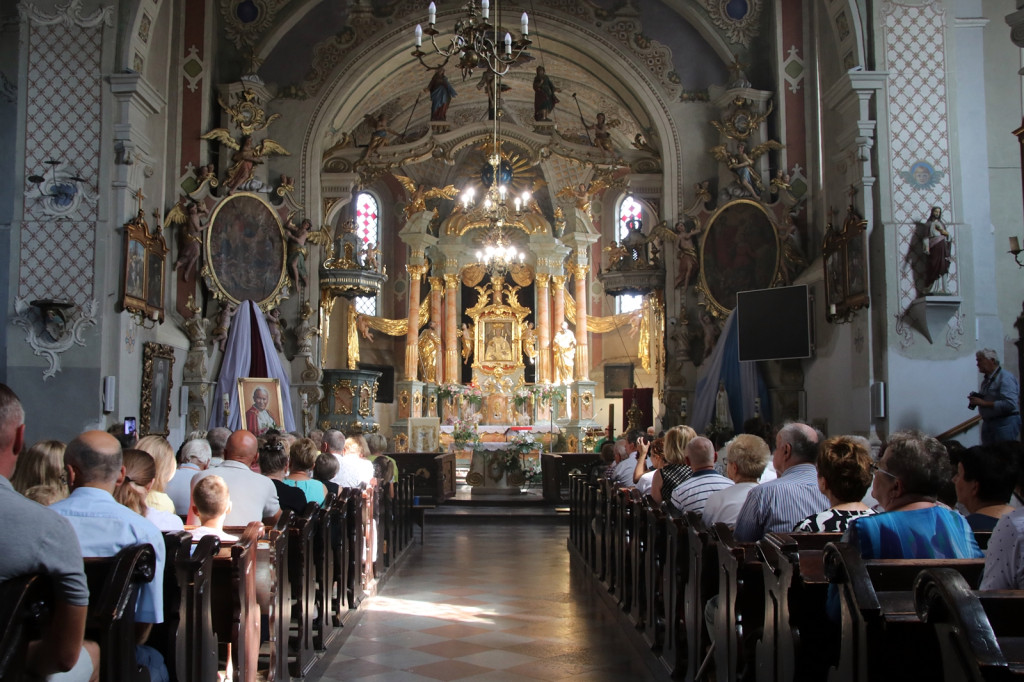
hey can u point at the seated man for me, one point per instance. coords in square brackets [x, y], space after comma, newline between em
[691, 494]
[35, 540]
[253, 497]
[211, 501]
[195, 457]
[778, 505]
[746, 457]
[104, 527]
[621, 473]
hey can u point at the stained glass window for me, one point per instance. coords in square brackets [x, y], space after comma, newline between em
[629, 209]
[368, 231]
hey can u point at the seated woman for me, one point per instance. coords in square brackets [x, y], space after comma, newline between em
[301, 458]
[984, 483]
[657, 453]
[906, 483]
[39, 473]
[163, 456]
[274, 465]
[844, 474]
[140, 475]
[675, 470]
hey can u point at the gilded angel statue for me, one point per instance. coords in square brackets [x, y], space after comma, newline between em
[419, 194]
[246, 157]
[298, 235]
[742, 163]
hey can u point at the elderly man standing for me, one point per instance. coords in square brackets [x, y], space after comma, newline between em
[997, 401]
[36, 540]
[195, 457]
[253, 497]
[777, 506]
[104, 527]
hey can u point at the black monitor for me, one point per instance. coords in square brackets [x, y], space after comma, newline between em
[774, 324]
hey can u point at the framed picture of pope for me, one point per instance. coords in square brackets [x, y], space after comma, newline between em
[260, 398]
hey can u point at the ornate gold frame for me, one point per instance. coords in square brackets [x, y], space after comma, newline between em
[489, 313]
[246, 386]
[844, 255]
[714, 306]
[152, 356]
[154, 251]
[213, 278]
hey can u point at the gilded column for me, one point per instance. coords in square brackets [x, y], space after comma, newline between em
[558, 294]
[579, 273]
[411, 356]
[436, 291]
[451, 329]
[543, 328]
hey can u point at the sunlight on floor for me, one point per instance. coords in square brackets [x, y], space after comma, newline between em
[433, 609]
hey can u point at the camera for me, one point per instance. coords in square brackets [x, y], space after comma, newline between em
[972, 394]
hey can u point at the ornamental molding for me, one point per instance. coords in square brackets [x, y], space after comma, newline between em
[49, 337]
[68, 15]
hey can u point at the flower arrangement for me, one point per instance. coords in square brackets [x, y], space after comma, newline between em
[473, 395]
[521, 396]
[464, 432]
[523, 441]
[446, 391]
[546, 392]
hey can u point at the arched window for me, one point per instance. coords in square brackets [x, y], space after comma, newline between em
[629, 209]
[368, 231]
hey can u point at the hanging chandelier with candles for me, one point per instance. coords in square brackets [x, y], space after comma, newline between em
[498, 252]
[475, 41]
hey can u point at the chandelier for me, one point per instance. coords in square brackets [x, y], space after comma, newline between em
[475, 40]
[498, 252]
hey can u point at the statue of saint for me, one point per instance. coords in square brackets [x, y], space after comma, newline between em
[429, 347]
[530, 342]
[723, 417]
[467, 341]
[565, 355]
[544, 99]
[937, 249]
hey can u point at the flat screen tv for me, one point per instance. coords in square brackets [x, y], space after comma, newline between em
[774, 324]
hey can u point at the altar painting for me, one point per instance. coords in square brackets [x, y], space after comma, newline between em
[739, 252]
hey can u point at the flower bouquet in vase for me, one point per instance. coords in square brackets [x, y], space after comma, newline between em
[464, 434]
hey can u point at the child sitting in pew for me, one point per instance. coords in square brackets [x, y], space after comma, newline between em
[211, 502]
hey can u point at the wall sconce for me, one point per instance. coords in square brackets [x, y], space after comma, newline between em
[53, 327]
[144, 321]
[1015, 250]
[61, 190]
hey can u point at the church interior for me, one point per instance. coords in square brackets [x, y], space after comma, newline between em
[471, 222]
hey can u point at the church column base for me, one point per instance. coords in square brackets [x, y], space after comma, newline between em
[582, 402]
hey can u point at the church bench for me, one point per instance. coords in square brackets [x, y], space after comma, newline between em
[623, 549]
[653, 568]
[197, 644]
[576, 512]
[25, 603]
[323, 554]
[355, 546]
[234, 608]
[558, 468]
[273, 591]
[114, 584]
[302, 572]
[740, 604]
[980, 634]
[701, 584]
[165, 637]
[795, 636]
[610, 521]
[882, 637]
[637, 560]
[433, 474]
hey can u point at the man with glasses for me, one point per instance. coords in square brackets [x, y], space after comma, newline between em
[996, 400]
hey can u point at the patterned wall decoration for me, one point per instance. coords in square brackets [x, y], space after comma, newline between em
[64, 112]
[915, 52]
[737, 19]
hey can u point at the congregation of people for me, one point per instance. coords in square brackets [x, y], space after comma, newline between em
[105, 491]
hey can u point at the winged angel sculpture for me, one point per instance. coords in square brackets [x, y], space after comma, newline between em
[189, 216]
[419, 194]
[742, 164]
[246, 157]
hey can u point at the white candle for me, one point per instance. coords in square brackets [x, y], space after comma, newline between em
[485, 8]
[432, 14]
[419, 35]
[508, 44]
[526, 25]
[832, 309]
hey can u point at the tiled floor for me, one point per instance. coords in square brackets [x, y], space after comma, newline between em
[488, 603]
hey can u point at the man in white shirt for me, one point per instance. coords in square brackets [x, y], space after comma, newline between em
[746, 457]
[253, 496]
[625, 464]
[195, 457]
[354, 469]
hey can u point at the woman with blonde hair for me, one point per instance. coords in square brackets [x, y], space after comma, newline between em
[140, 475]
[41, 465]
[163, 457]
[675, 470]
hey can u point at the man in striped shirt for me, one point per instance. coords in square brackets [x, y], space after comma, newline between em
[691, 494]
[777, 506]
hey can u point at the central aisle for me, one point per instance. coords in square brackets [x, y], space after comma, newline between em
[488, 602]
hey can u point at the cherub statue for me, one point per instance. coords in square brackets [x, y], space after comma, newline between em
[616, 254]
[371, 257]
[602, 134]
[190, 243]
[419, 194]
[246, 157]
[220, 332]
[274, 324]
[742, 164]
[363, 327]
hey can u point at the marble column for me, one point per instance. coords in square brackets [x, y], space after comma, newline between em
[579, 272]
[558, 296]
[416, 272]
[543, 329]
[436, 291]
[451, 329]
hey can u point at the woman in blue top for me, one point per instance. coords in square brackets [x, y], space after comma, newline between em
[301, 457]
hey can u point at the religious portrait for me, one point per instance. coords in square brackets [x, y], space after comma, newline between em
[134, 281]
[617, 378]
[261, 399]
[143, 274]
[157, 363]
[740, 252]
[498, 342]
[245, 250]
[155, 280]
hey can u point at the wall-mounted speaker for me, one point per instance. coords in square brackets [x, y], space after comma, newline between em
[109, 394]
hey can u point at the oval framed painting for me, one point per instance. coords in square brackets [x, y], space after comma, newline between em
[245, 251]
[739, 251]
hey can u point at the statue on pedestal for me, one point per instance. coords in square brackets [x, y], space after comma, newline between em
[429, 348]
[565, 355]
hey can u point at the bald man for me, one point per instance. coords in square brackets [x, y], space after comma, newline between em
[777, 506]
[253, 496]
[104, 527]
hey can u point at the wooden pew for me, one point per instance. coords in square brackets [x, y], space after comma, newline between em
[740, 613]
[637, 560]
[25, 603]
[165, 637]
[114, 584]
[653, 567]
[355, 545]
[610, 520]
[623, 547]
[273, 591]
[576, 512]
[558, 468]
[702, 583]
[980, 634]
[882, 637]
[323, 553]
[339, 544]
[797, 640]
[302, 572]
[433, 474]
[234, 609]
[197, 648]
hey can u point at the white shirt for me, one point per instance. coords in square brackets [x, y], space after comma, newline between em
[622, 473]
[353, 471]
[724, 506]
[179, 488]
